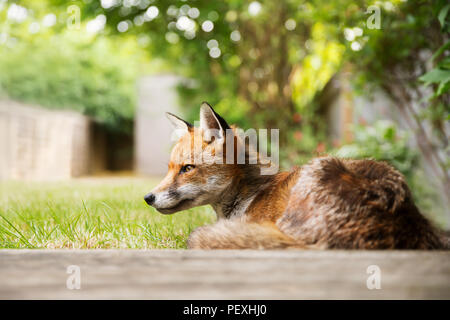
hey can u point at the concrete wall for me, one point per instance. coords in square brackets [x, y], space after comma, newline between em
[156, 96]
[41, 144]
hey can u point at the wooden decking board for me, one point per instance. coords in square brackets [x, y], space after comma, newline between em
[183, 274]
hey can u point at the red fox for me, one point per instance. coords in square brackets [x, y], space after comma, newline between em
[328, 203]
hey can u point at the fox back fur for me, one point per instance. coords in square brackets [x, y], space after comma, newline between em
[329, 203]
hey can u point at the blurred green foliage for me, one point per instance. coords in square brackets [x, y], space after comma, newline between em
[409, 50]
[78, 74]
[67, 69]
[438, 78]
[260, 58]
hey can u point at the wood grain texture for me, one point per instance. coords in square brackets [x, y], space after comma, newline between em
[181, 274]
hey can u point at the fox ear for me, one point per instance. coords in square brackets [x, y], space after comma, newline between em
[211, 121]
[179, 124]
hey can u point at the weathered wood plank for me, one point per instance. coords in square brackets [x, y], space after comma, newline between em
[181, 274]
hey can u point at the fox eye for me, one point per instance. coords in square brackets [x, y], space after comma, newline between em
[187, 168]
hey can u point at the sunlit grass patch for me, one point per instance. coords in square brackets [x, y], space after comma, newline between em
[90, 213]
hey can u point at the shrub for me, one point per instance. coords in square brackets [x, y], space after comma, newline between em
[66, 71]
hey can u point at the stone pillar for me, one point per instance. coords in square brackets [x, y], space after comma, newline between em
[156, 96]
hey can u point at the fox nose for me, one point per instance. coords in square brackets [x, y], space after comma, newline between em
[149, 198]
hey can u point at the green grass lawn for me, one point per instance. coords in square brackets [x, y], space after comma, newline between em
[91, 213]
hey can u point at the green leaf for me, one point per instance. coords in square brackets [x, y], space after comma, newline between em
[389, 133]
[436, 75]
[441, 50]
[444, 87]
[443, 14]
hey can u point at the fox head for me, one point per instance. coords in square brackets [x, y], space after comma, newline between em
[200, 170]
[193, 177]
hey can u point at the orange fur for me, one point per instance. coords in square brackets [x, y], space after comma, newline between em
[328, 203]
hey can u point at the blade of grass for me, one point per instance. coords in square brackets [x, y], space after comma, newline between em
[22, 237]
